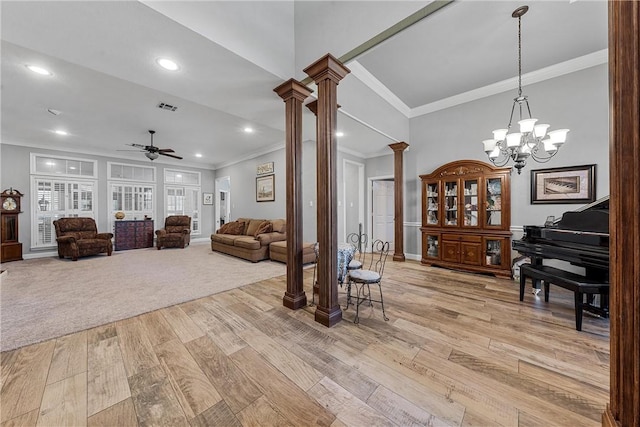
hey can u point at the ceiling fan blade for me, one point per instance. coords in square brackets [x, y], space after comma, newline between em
[139, 151]
[169, 155]
[138, 145]
[165, 150]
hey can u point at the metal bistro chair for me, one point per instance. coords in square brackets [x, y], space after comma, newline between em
[359, 242]
[363, 279]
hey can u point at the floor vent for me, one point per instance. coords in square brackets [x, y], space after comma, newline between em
[164, 106]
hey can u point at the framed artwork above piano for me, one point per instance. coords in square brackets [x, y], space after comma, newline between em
[572, 184]
[466, 217]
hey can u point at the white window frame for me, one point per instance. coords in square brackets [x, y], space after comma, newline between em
[131, 214]
[196, 221]
[60, 213]
[110, 166]
[34, 171]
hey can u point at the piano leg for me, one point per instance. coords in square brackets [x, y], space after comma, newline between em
[536, 284]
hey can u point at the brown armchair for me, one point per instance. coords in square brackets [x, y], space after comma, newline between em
[78, 236]
[176, 232]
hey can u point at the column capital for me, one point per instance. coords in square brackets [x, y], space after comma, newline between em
[327, 67]
[399, 146]
[293, 89]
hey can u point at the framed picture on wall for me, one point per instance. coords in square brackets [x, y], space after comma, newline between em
[207, 198]
[264, 168]
[573, 184]
[265, 188]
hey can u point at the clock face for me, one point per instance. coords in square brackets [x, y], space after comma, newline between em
[9, 204]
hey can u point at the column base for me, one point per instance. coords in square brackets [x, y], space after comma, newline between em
[328, 319]
[399, 257]
[294, 302]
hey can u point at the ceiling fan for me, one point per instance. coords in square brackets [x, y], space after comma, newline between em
[152, 152]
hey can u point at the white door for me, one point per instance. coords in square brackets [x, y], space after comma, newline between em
[383, 211]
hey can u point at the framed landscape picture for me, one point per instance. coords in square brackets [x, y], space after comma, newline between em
[265, 188]
[573, 184]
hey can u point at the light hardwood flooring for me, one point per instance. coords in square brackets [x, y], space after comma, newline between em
[459, 349]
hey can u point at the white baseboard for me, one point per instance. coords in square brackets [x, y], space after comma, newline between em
[40, 255]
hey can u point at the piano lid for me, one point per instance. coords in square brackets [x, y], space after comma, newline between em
[593, 218]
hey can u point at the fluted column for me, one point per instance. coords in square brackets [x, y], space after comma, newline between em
[398, 184]
[294, 93]
[327, 73]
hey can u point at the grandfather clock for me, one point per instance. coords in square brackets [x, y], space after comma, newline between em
[9, 211]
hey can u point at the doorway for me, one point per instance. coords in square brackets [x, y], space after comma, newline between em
[223, 201]
[382, 209]
[353, 197]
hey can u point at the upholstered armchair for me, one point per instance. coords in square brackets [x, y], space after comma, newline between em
[78, 237]
[176, 232]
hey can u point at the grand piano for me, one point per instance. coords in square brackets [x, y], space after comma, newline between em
[580, 237]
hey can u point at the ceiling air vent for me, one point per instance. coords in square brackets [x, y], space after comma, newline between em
[164, 106]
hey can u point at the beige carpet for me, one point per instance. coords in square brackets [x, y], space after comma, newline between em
[48, 297]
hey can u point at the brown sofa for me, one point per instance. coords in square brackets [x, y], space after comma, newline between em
[278, 252]
[78, 236]
[243, 238]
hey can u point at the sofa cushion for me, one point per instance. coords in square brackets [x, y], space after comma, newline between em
[265, 227]
[174, 228]
[253, 226]
[234, 227]
[267, 238]
[226, 239]
[246, 224]
[279, 225]
[247, 242]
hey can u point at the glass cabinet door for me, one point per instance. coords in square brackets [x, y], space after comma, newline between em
[433, 214]
[451, 203]
[433, 245]
[493, 202]
[493, 252]
[470, 203]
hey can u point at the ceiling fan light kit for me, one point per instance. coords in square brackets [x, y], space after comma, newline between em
[529, 142]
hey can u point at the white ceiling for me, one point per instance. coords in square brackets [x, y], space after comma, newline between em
[232, 54]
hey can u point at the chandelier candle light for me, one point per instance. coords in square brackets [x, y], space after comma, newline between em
[529, 142]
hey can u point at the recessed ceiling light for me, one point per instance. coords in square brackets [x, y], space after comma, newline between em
[167, 64]
[60, 132]
[72, 168]
[339, 134]
[39, 70]
[248, 129]
[198, 155]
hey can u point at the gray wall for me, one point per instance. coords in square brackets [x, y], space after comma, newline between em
[16, 173]
[578, 101]
[243, 184]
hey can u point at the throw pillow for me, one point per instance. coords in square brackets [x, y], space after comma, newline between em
[234, 227]
[264, 227]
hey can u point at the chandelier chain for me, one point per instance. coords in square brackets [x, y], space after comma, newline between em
[519, 56]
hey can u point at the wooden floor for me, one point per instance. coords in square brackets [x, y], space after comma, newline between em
[458, 349]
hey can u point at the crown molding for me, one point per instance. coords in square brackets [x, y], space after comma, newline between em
[550, 72]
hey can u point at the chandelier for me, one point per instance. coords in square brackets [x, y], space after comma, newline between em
[530, 141]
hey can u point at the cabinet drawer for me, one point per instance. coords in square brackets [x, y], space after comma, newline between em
[462, 238]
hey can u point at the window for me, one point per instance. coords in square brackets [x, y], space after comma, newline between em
[131, 189]
[44, 164]
[182, 195]
[58, 198]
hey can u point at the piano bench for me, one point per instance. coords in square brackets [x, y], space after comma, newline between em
[580, 285]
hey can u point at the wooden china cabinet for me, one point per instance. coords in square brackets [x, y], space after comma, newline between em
[466, 217]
